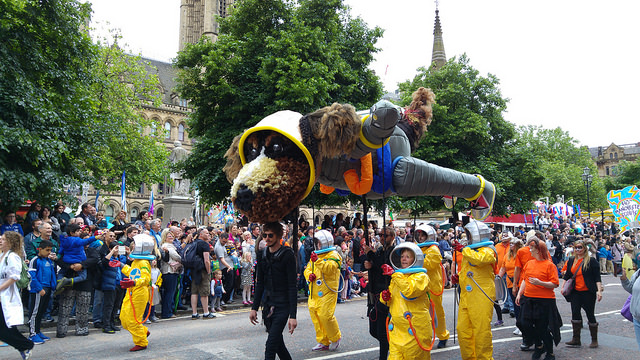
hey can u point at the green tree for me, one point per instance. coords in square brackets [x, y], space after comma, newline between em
[561, 162]
[627, 173]
[271, 55]
[69, 108]
[468, 133]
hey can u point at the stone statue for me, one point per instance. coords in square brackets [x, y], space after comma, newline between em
[179, 154]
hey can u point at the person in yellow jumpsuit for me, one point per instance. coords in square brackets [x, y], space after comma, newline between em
[426, 237]
[410, 328]
[477, 293]
[323, 274]
[137, 296]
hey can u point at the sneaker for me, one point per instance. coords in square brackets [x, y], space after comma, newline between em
[36, 339]
[116, 328]
[525, 347]
[442, 344]
[517, 332]
[62, 285]
[43, 337]
[148, 322]
[549, 357]
[26, 355]
[108, 331]
[49, 319]
[223, 303]
[482, 206]
[97, 325]
[195, 316]
[320, 347]
[334, 345]
[209, 316]
[498, 323]
[512, 314]
[153, 319]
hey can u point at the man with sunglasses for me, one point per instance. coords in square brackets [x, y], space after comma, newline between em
[276, 278]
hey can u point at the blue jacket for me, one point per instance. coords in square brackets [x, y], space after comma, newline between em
[444, 246]
[14, 227]
[43, 274]
[111, 276]
[72, 248]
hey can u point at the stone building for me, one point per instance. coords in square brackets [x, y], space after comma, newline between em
[608, 158]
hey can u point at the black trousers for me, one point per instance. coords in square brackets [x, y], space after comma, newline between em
[378, 313]
[275, 341]
[12, 336]
[228, 281]
[38, 305]
[583, 300]
[109, 310]
[535, 321]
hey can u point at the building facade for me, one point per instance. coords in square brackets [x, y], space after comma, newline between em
[608, 158]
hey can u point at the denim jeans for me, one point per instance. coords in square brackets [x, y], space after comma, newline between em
[169, 287]
[636, 326]
[98, 299]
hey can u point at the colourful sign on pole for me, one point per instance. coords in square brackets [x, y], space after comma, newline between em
[625, 204]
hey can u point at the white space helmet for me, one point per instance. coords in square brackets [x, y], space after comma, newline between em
[477, 232]
[432, 235]
[322, 239]
[396, 255]
[143, 248]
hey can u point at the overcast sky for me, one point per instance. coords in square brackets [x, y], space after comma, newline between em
[565, 63]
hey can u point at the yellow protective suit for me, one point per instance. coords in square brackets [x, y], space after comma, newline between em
[433, 264]
[323, 296]
[409, 297]
[476, 310]
[140, 271]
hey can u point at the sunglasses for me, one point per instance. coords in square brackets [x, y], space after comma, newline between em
[579, 247]
[269, 235]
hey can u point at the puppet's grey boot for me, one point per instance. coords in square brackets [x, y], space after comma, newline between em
[577, 327]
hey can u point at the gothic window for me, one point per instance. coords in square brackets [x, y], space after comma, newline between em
[610, 155]
[154, 127]
[160, 213]
[160, 188]
[134, 214]
[607, 171]
[181, 132]
[615, 155]
[167, 130]
[110, 211]
[183, 102]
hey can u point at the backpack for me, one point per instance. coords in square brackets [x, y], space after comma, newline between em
[190, 258]
[25, 278]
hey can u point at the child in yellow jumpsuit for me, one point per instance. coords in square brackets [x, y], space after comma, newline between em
[323, 274]
[137, 296]
[477, 293]
[427, 238]
[409, 322]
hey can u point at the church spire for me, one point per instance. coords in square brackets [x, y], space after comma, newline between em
[438, 57]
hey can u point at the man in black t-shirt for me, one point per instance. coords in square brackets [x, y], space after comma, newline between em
[276, 279]
[201, 277]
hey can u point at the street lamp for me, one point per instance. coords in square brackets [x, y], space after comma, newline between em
[586, 179]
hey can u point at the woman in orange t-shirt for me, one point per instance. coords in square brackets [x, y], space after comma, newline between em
[538, 300]
[508, 266]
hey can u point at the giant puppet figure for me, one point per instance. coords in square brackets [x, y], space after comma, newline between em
[137, 290]
[477, 293]
[427, 240]
[274, 165]
[323, 274]
[409, 324]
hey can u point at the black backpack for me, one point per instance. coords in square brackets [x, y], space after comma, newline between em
[190, 258]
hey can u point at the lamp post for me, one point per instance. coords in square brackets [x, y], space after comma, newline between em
[586, 179]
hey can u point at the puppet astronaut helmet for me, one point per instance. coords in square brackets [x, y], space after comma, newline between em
[322, 239]
[143, 248]
[427, 229]
[396, 255]
[477, 232]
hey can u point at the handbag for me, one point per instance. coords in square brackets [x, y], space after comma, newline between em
[570, 284]
[626, 309]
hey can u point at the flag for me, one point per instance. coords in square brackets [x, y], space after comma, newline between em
[97, 196]
[579, 211]
[390, 215]
[533, 221]
[386, 69]
[123, 192]
[151, 210]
